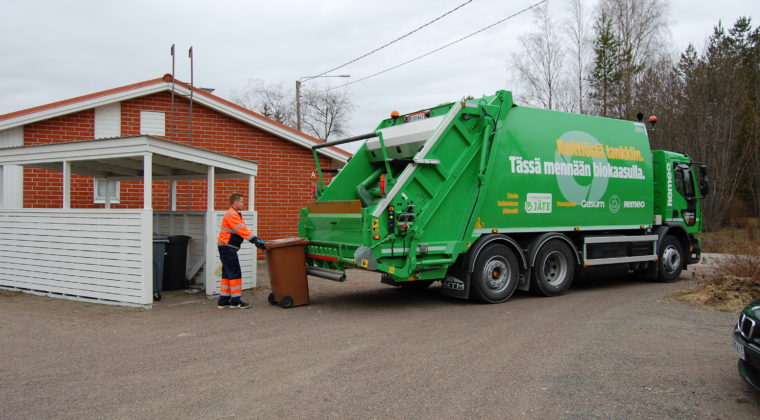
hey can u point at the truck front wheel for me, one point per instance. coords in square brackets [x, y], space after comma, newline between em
[671, 260]
[495, 276]
[554, 269]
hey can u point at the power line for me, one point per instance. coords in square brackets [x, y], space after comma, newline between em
[394, 41]
[438, 49]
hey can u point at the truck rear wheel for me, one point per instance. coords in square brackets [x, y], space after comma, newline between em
[554, 269]
[495, 276]
[671, 260]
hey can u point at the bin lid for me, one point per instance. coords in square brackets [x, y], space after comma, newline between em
[284, 242]
[160, 238]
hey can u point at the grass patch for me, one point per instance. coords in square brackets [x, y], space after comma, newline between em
[734, 284]
[741, 239]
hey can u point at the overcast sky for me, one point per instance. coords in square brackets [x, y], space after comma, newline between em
[56, 49]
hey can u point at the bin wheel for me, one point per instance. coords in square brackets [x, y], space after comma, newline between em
[286, 302]
[156, 296]
[271, 300]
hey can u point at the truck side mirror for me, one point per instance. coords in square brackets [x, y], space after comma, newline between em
[704, 185]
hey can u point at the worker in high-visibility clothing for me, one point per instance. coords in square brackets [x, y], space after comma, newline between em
[231, 236]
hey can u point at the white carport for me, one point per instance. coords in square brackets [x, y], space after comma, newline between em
[107, 254]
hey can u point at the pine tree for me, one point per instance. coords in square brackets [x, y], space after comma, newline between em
[610, 62]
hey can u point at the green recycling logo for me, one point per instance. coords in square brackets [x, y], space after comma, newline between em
[571, 188]
[614, 204]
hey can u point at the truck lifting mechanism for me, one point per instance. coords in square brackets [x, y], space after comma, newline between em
[488, 197]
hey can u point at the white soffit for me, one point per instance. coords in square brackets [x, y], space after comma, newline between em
[120, 158]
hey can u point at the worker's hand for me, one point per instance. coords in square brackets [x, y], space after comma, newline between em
[258, 242]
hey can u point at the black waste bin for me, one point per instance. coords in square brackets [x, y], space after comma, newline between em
[175, 263]
[159, 253]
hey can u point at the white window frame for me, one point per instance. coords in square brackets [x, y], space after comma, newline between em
[115, 191]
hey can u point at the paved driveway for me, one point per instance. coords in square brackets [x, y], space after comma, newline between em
[608, 349]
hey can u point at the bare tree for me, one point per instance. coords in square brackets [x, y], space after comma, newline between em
[641, 27]
[539, 64]
[325, 112]
[577, 28]
[270, 100]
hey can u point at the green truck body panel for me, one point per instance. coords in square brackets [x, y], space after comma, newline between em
[435, 181]
[576, 171]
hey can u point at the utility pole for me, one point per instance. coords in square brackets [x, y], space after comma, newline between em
[298, 94]
[298, 104]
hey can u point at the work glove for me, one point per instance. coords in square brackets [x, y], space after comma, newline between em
[258, 242]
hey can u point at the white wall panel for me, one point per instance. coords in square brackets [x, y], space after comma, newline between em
[152, 123]
[12, 176]
[108, 121]
[63, 252]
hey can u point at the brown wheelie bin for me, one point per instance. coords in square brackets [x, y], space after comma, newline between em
[286, 260]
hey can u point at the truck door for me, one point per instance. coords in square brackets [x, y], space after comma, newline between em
[686, 209]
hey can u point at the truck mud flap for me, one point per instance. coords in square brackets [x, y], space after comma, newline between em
[454, 287]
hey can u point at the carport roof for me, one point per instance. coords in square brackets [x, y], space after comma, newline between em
[122, 159]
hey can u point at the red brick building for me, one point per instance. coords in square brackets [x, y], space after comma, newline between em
[162, 107]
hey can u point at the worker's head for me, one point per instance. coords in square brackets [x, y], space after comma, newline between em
[236, 201]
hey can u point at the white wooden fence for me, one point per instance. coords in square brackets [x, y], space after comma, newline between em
[81, 254]
[107, 255]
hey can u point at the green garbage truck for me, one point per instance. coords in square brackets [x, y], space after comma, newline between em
[489, 197]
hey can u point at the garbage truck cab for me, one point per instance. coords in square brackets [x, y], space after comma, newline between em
[489, 197]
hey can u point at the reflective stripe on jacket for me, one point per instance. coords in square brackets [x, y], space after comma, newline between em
[233, 230]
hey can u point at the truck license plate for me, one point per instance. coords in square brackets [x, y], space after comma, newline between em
[417, 116]
[739, 349]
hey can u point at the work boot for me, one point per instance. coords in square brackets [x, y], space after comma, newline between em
[239, 304]
[224, 302]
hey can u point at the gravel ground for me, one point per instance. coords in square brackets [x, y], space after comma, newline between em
[610, 348]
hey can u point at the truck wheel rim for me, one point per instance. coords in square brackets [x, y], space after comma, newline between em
[555, 268]
[671, 259]
[496, 273]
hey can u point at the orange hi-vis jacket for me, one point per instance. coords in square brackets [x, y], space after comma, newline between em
[233, 230]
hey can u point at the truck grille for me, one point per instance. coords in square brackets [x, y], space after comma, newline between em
[747, 326]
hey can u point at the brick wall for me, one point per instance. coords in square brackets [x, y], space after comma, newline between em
[283, 186]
